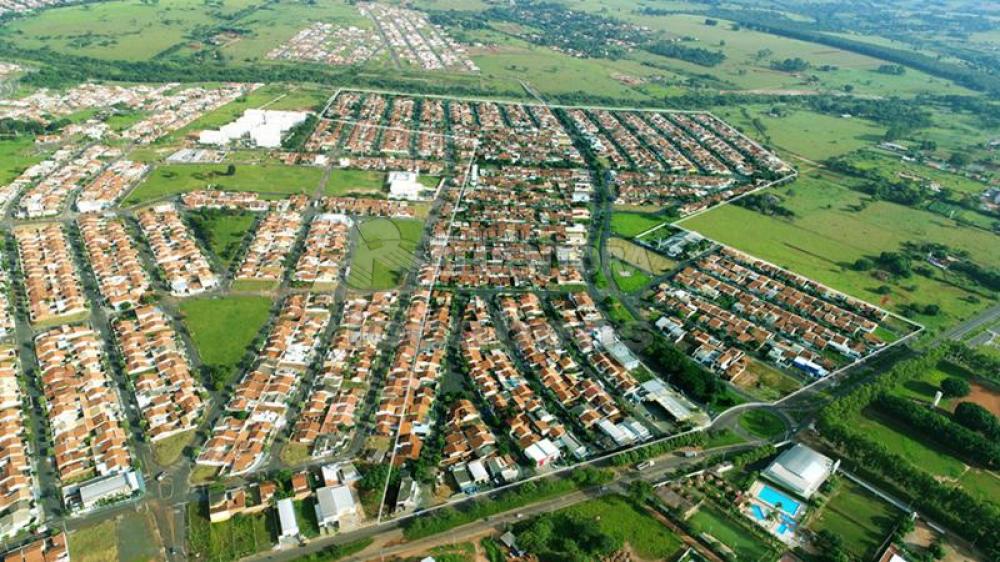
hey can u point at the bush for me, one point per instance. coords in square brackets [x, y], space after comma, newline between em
[955, 387]
[977, 418]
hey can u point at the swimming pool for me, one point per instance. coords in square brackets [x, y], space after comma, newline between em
[773, 497]
[758, 513]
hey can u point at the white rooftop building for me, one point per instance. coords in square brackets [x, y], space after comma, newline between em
[800, 470]
[404, 185]
[286, 519]
[333, 504]
[263, 127]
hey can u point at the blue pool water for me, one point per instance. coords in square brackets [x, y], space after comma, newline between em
[782, 529]
[773, 497]
[758, 512]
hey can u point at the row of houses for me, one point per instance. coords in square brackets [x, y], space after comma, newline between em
[108, 187]
[323, 258]
[258, 407]
[49, 195]
[18, 508]
[169, 398]
[329, 44]
[267, 254]
[330, 413]
[85, 417]
[515, 227]
[414, 40]
[184, 265]
[51, 279]
[114, 258]
[53, 548]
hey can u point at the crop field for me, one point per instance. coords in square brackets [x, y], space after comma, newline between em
[127, 30]
[384, 251]
[861, 519]
[223, 328]
[829, 233]
[175, 179]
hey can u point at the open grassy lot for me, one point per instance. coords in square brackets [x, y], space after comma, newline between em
[832, 229]
[628, 277]
[16, 155]
[166, 451]
[127, 30]
[766, 382]
[137, 538]
[638, 256]
[713, 522]
[622, 520]
[224, 230]
[762, 423]
[343, 182]
[628, 225]
[861, 519]
[222, 328]
[270, 179]
[901, 442]
[230, 540]
[96, 543]
[384, 251]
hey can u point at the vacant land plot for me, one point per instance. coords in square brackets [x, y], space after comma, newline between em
[138, 540]
[766, 382]
[861, 519]
[343, 182]
[621, 519]
[166, 451]
[832, 229]
[224, 231]
[96, 543]
[640, 257]
[16, 155]
[269, 179]
[628, 277]
[230, 540]
[713, 522]
[761, 423]
[628, 225]
[223, 328]
[384, 252]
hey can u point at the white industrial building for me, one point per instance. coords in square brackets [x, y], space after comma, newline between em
[800, 470]
[404, 185]
[333, 505]
[263, 127]
[286, 519]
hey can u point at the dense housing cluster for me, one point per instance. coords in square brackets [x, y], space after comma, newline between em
[330, 413]
[258, 407]
[156, 362]
[323, 258]
[110, 186]
[329, 44]
[185, 267]
[51, 279]
[114, 259]
[48, 195]
[726, 307]
[413, 40]
[266, 257]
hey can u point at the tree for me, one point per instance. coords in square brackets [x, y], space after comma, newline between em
[959, 159]
[231, 170]
[954, 387]
[977, 418]
[862, 264]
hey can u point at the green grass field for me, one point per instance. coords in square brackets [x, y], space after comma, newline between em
[721, 526]
[828, 234]
[629, 225]
[96, 543]
[621, 519]
[343, 182]
[227, 231]
[384, 252]
[16, 155]
[862, 520]
[223, 328]
[270, 179]
[230, 540]
[628, 277]
[901, 442]
[762, 423]
[124, 30]
[767, 383]
[638, 256]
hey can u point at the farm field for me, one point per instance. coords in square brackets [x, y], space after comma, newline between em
[223, 328]
[828, 234]
[862, 520]
[710, 521]
[269, 179]
[127, 30]
[384, 251]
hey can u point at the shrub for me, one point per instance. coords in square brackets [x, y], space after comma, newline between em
[955, 387]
